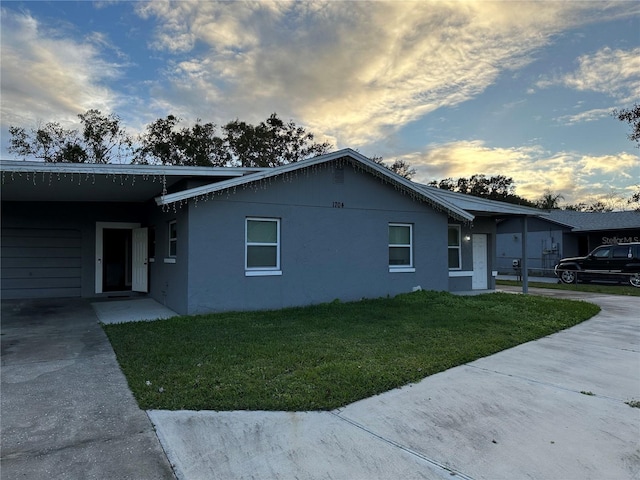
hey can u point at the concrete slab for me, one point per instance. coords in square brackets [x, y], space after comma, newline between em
[131, 310]
[283, 445]
[517, 414]
[494, 426]
[67, 412]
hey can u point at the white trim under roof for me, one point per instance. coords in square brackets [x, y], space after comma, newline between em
[347, 153]
[124, 169]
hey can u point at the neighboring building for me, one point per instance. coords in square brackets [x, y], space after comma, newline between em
[199, 239]
[561, 234]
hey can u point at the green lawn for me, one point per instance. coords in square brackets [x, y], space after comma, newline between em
[324, 356]
[580, 287]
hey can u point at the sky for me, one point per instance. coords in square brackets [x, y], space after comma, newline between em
[454, 88]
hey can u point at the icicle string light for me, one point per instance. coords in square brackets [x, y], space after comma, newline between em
[257, 185]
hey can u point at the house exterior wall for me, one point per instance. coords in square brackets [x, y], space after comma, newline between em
[334, 242]
[461, 280]
[49, 248]
[168, 275]
[546, 244]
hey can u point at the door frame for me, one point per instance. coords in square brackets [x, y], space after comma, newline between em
[100, 227]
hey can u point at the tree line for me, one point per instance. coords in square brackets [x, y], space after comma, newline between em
[270, 143]
[103, 139]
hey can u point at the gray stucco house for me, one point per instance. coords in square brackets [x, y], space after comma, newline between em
[560, 234]
[337, 226]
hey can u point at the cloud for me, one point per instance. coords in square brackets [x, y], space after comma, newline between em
[586, 116]
[354, 70]
[577, 177]
[47, 77]
[615, 73]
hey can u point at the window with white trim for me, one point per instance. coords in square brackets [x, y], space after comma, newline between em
[262, 246]
[173, 238]
[400, 247]
[454, 242]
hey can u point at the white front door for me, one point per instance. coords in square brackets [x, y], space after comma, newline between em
[139, 260]
[479, 281]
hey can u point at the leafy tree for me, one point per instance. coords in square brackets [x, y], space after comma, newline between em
[497, 187]
[399, 166]
[158, 143]
[270, 143]
[200, 146]
[596, 206]
[632, 117]
[635, 200]
[49, 142]
[104, 137]
[549, 200]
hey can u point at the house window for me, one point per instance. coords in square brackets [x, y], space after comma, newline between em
[262, 246]
[173, 238]
[454, 247]
[401, 247]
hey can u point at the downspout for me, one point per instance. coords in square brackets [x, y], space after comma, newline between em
[524, 265]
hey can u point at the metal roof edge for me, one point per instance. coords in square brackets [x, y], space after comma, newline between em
[20, 166]
[506, 206]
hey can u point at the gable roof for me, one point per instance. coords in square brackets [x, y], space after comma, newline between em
[595, 221]
[346, 155]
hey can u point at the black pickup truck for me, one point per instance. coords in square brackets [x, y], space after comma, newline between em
[619, 262]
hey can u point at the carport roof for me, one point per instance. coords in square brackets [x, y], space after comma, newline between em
[72, 182]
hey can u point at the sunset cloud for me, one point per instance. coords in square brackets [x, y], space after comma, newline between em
[533, 169]
[340, 68]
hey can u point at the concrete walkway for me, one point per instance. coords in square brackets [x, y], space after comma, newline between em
[67, 412]
[549, 409]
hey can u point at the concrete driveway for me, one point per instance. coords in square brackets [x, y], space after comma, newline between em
[67, 412]
[549, 409]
